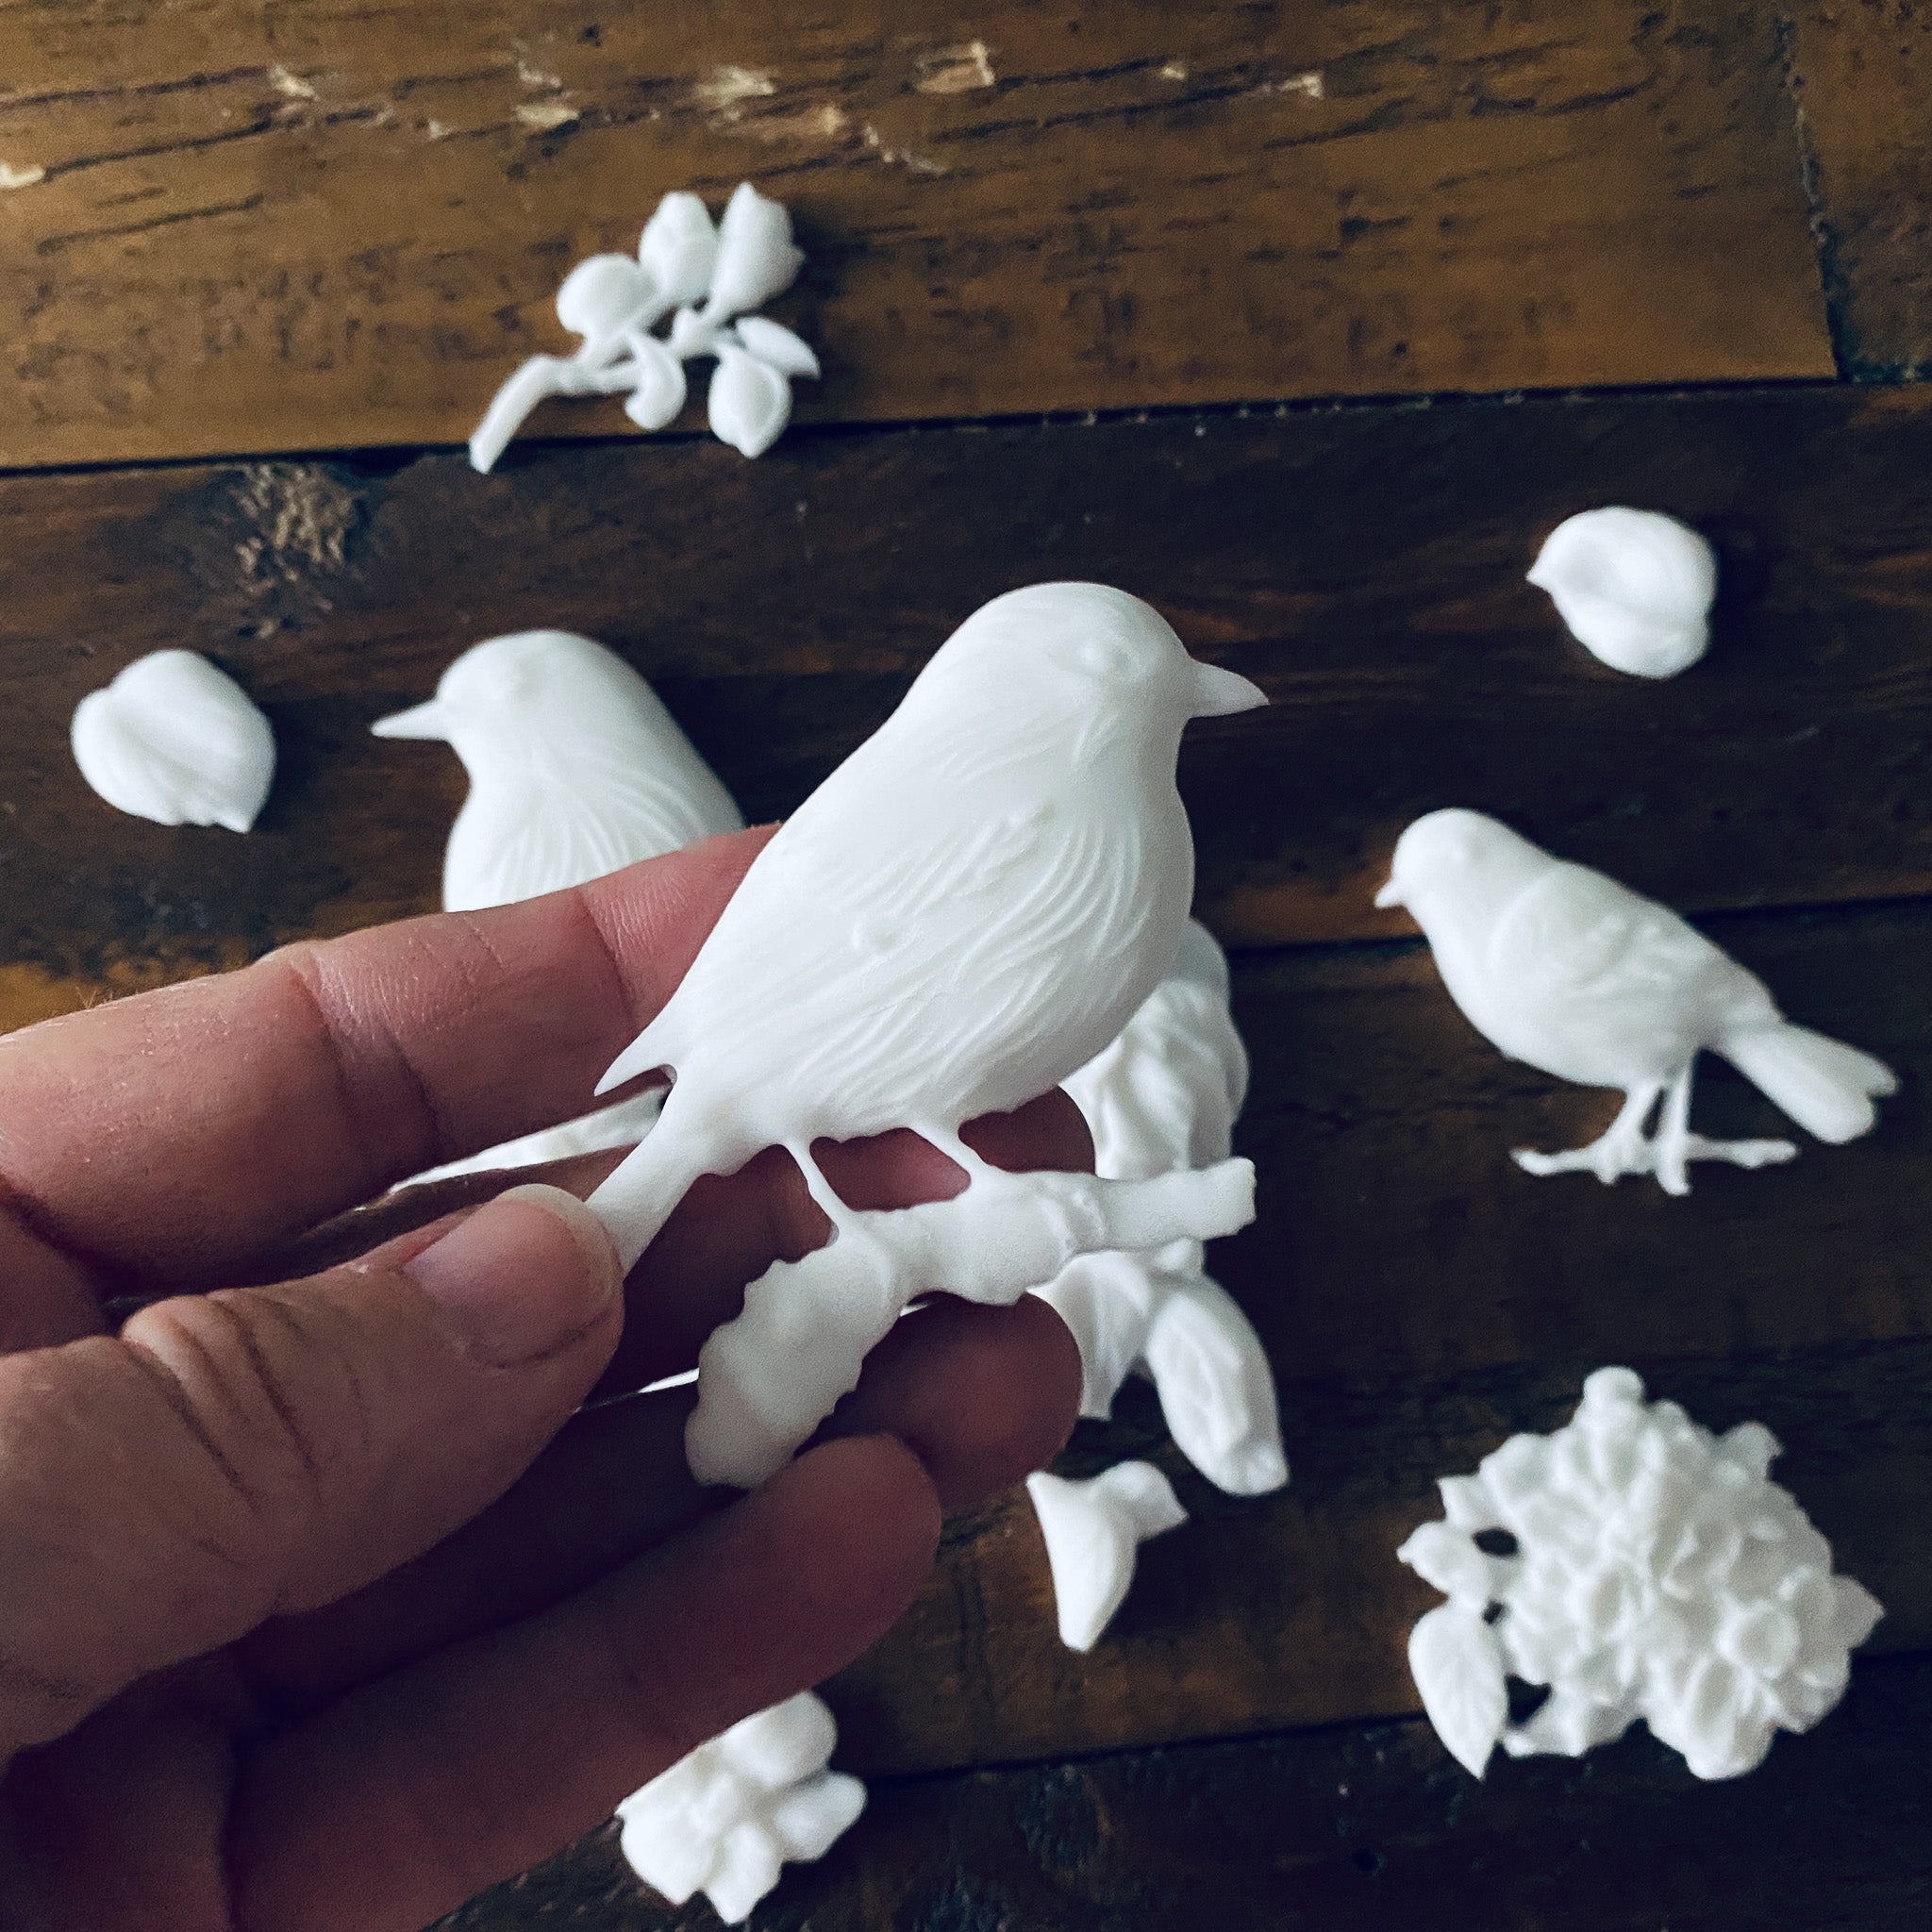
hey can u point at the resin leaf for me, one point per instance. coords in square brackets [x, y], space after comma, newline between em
[1458, 1669]
[750, 402]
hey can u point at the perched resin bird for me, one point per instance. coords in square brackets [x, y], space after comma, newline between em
[576, 769]
[1574, 973]
[970, 908]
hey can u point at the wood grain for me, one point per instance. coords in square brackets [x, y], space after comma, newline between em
[1420, 1299]
[1365, 564]
[227, 230]
[1369, 1828]
[1861, 73]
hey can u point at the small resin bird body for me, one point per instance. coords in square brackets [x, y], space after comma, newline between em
[1563, 968]
[970, 908]
[576, 769]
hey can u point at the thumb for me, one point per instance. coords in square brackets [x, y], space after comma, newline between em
[232, 1455]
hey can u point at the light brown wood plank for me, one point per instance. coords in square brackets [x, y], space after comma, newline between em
[1862, 77]
[1420, 1299]
[1365, 564]
[1370, 1828]
[329, 225]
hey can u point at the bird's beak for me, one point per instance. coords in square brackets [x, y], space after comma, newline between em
[1219, 693]
[422, 721]
[1390, 895]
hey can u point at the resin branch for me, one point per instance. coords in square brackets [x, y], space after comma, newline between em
[767, 1379]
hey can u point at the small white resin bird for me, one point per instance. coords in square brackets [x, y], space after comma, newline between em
[576, 769]
[970, 908]
[1574, 973]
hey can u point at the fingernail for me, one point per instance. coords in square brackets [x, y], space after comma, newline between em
[524, 1277]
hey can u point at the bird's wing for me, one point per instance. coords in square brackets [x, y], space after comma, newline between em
[596, 818]
[1575, 935]
[847, 939]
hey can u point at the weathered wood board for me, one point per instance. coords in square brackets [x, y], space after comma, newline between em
[1365, 564]
[1862, 82]
[1367, 1828]
[225, 231]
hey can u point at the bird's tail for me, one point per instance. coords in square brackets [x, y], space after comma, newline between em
[1826, 1086]
[636, 1199]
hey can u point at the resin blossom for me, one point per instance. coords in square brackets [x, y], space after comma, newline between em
[725, 1819]
[1658, 1574]
[1093, 1531]
[1564, 968]
[706, 280]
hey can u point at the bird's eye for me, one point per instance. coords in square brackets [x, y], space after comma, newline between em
[1101, 658]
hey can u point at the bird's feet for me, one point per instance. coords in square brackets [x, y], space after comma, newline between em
[1666, 1154]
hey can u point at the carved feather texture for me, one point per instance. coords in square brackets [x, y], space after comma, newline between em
[174, 740]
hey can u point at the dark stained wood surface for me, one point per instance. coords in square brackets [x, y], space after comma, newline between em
[231, 230]
[1365, 564]
[1364, 1829]
[227, 230]
[1863, 80]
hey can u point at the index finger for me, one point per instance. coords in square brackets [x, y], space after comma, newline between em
[168, 1138]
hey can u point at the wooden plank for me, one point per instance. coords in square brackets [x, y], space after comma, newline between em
[1862, 71]
[1420, 1299]
[1366, 1829]
[228, 231]
[1365, 564]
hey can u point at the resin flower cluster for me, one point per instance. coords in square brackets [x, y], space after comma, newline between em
[705, 278]
[1656, 1575]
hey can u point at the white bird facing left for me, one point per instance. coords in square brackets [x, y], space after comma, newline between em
[969, 908]
[1563, 968]
[576, 769]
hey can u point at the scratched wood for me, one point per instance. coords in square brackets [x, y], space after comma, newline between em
[1862, 78]
[1365, 564]
[229, 229]
[1418, 1299]
[1370, 1828]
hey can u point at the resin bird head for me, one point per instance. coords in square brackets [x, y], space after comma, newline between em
[576, 768]
[506, 696]
[1461, 860]
[1072, 650]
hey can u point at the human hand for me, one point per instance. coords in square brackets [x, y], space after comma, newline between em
[322, 1607]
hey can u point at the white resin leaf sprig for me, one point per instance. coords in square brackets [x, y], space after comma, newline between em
[1658, 1574]
[725, 1819]
[707, 280]
[174, 740]
[1162, 1098]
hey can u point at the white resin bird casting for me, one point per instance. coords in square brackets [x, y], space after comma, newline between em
[576, 769]
[970, 908]
[1574, 973]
